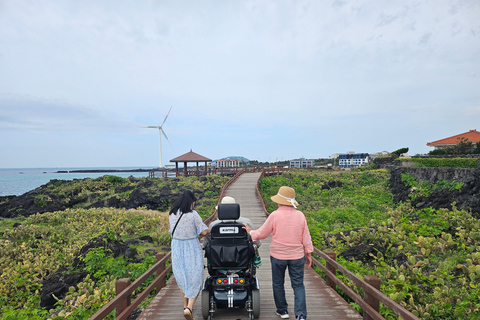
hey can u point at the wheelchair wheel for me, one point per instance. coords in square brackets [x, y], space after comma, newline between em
[205, 304]
[256, 303]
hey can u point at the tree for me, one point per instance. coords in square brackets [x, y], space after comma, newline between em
[476, 148]
[399, 152]
[463, 146]
[437, 152]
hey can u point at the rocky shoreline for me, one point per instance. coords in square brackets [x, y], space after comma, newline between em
[106, 191]
[114, 170]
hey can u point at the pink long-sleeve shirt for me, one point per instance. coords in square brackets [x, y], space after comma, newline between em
[290, 235]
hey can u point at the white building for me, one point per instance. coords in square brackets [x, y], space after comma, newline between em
[350, 159]
[228, 163]
[301, 163]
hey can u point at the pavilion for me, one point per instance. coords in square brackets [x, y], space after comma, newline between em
[190, 157]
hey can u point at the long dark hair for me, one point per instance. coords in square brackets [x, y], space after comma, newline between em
[183, 202]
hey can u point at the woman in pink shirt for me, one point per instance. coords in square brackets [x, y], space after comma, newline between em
[291, 246]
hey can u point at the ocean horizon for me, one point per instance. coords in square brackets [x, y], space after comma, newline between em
[17, 181]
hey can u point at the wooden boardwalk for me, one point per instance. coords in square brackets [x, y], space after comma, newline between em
[323, 303]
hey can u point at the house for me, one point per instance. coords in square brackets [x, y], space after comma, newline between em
[472, 135]
[351, 159]
[379, 154]
[301, 163]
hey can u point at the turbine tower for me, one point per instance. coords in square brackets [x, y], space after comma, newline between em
[160, 131]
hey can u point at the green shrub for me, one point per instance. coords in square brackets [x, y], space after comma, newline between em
[425, 188]
[445, 162]
[116, 179]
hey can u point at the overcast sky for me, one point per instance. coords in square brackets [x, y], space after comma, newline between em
[267, 80]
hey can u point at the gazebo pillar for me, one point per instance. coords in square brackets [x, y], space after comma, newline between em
[185, 169]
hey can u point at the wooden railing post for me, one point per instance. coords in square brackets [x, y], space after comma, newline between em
[372, 302]
[162, 283]
[121, 285]
[331, 268]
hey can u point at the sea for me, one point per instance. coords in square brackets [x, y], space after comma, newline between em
[18, 181]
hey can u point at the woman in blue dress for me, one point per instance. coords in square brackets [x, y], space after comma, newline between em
[186, 226]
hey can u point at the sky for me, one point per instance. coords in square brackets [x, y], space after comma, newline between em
[266, 80]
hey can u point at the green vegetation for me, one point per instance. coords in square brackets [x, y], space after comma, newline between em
[399, 152]
[425, 188]
[445, 162]
[428, 260]
[43, 243]
[440, 248]
[113, 191]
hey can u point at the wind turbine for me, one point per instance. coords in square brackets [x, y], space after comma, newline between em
[160, 131]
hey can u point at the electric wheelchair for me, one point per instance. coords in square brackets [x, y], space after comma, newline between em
[231, 282]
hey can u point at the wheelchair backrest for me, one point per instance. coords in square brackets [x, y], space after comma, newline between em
[228, 211]
[230, 245]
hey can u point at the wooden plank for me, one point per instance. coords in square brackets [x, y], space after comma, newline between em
[323, 303]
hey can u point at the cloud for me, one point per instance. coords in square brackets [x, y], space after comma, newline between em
[57, 117]
[472, 111]
[238, 74]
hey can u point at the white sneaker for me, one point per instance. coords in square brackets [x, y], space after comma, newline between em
[283, 314]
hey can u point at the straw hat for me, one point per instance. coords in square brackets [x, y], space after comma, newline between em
[285, 196]
[226, 199]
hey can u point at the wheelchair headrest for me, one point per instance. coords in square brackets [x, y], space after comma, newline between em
[228, 211]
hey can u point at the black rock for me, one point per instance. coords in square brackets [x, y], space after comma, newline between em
[360, 253]
[58, 284]
[332, 184]
[150, 252]
[131, 253]
[401, 259]
[146, 239]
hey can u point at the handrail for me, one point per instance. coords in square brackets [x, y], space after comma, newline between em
[121, 303]
[375, 293]
[259, 194]
[126, 292]
[372, 294]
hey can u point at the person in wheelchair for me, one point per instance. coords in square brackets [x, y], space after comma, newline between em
[228, 199]
[230, 251]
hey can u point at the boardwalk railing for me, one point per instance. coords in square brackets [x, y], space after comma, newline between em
[124, 289]
[220, 171]
[122, 303]
[371, 288]
[370, 303]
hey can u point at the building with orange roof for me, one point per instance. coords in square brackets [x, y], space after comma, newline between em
[472, 135]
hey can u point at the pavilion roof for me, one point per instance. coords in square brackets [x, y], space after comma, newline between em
[472, 135]
[191, 157]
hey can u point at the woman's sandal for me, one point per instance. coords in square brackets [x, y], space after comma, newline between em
[187, 313]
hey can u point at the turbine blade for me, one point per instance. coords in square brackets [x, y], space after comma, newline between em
[166, 137]
[154, 127]
[166, 117]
